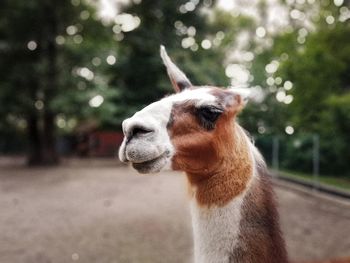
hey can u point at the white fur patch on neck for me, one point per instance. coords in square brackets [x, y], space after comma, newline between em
[216, 231]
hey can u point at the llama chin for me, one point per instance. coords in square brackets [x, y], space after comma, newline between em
[234, 216]
[153, 166]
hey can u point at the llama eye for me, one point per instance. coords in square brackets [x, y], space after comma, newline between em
[208, 115]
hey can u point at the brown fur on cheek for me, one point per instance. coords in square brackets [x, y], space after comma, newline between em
[195, 148]
[217, 162]
[230, 179]
[195, 153]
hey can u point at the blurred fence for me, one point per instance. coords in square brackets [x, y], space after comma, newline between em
[296, 158]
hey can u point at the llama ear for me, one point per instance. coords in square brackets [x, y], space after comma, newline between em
[177, 77]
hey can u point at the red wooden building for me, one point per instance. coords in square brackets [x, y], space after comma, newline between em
[104, 143]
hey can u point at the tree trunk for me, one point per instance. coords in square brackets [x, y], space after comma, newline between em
[50, 156]
[42, 143]
[34, 149]
[41, 126]
[50, 52]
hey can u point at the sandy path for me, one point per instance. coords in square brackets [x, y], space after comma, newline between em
[97, 211]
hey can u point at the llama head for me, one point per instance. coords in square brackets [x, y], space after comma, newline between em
[191, 130]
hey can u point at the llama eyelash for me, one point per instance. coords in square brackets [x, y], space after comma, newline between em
[208, 116]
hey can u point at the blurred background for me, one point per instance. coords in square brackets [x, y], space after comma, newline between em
[72, 70]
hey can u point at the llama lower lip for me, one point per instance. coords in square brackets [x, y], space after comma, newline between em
[151, 166]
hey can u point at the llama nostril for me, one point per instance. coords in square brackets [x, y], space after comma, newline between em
[139, 130]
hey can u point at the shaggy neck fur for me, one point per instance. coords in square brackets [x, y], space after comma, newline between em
[233, 211]
[230, 176]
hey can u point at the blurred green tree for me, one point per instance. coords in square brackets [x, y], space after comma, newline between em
[313, 70]
[319, 70]
[46, 72]
[196, 36]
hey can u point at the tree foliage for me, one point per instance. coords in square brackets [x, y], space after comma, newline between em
[318, 66]
[61, 65]
[44, 48]
[140, 75]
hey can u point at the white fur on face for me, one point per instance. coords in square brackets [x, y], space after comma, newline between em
[152, 152]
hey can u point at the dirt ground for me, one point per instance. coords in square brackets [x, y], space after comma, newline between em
[97, 211]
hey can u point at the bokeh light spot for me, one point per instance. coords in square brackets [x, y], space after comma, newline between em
[84, 15]
[96, 101]
[206, 44]
[288, 85]
[71, 30]
[338, 2]
[111, 60]
[96, 61]
[289, 130]
[330, 20]
[60, 40]
[32, 45]
[260, 32]
[39, 104]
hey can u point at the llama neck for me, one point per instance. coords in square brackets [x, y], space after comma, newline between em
[244, 230]
[234, 217]
[260, 238]
[216, 231]
[229, 178]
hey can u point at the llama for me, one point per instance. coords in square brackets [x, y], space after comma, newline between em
[234, 216]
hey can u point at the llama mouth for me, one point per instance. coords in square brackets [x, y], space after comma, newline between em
[152, 166]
